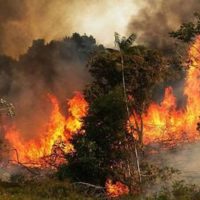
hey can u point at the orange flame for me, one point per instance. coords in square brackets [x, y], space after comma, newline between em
[116, 189]
[164, 122]
[58, 128]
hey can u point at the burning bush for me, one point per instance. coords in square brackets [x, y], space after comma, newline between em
[116, 189]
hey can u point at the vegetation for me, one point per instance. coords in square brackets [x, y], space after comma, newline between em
[140, 67]
[106, 150]
[105, 145]
[43, 190]
[46, 63]
[123, 84]
[188, 31]
[178, 191]
[55, 190]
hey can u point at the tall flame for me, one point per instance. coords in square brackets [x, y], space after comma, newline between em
[58, 128]
[164, 122]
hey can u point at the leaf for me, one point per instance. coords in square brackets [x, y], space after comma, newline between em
[117, 39]
[130, 40]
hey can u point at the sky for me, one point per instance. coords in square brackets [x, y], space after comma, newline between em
[22, 21]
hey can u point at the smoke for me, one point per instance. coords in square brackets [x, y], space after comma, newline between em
[56, 65]
[184, 158]
[22, 21]
[156, 18]
[31, 67]
[47, 65]
[11, 13]
[56, 68]
[152, 24]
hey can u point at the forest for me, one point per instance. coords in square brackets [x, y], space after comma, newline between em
[80, 120]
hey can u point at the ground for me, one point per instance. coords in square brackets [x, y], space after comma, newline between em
[51, 190]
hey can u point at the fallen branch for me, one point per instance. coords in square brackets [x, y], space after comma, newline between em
[90, 189]
[17, 161]
[89, 185]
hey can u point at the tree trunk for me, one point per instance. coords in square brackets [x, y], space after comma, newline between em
[128, 115]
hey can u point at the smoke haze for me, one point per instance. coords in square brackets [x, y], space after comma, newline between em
[156, 18]
[56, 65]
[22, 21]
[57, 68]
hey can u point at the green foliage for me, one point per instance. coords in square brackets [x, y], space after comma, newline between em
[105, 149]
[55, 190]
[124, 43]
[188, 31]
[102, 147]
[144, 69]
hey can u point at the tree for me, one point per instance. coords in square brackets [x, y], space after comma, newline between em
[188, 31]
[105, 148]
[187, 34]
[143, 69]
[123, 45]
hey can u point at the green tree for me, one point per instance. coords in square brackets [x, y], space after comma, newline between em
[105, 149]
[123, 45]
[136, 69]
[188, 31]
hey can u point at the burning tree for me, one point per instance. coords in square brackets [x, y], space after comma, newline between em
[143, 69]
[105, 147]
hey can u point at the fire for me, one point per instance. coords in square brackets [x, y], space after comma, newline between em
[55, 134]
[78, 109]
[116, 189]
[164, 122]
